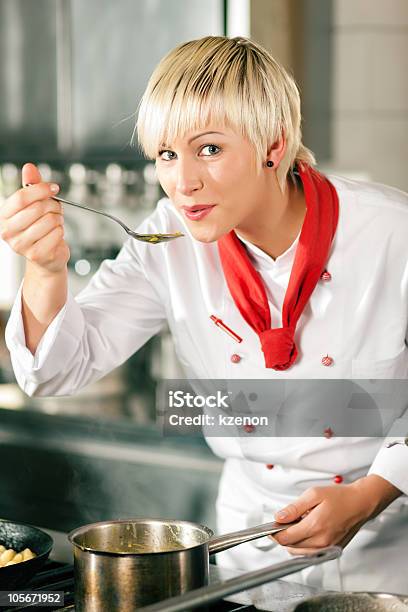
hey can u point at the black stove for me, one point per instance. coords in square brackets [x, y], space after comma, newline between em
[60, 577]
[53, 577]
[277, 595]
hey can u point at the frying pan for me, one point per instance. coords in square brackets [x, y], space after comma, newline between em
[355, 602]
[20, 536]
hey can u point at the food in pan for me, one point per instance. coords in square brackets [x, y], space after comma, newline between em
[8, 556]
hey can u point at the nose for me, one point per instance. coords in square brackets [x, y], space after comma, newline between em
[188, 179]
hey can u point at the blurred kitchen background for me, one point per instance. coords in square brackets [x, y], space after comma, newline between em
[71, 75]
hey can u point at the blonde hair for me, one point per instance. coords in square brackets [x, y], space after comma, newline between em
[231, 81]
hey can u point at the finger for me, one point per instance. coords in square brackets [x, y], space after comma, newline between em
[26, 196]
[35, 232]
[30, 174]
[29, 215]
[302, 551]
[47, 245]
[316, 543]
[317, 540]
[316, 533]
[306, 528]
[308, 500]
[313, 544]
[43, 226]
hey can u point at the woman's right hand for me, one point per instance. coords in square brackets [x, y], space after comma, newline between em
[33, 224]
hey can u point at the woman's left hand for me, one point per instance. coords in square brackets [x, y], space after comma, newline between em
[332, 515]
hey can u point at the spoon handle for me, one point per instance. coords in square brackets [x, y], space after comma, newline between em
[98, 212]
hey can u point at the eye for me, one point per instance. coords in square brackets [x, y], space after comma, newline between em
[212, 150]
[166, 155]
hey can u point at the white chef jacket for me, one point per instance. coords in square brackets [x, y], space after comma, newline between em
[359, 318]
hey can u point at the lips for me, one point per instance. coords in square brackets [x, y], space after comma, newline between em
[198, 211]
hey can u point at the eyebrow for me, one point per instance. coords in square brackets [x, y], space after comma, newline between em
[198, 136]
[204, 134]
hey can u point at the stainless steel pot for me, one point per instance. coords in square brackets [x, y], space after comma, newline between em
[124, 565]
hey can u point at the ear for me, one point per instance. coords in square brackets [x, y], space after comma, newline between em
[276, 152]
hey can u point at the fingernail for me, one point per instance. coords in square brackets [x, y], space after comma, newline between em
[281, 514]
[54, 188]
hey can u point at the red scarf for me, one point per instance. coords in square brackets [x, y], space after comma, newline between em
[246, 285]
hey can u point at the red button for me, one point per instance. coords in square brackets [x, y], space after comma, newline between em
[249, 428]
[235, 358]
[338, 479]
[269, 466]
[326, 276]
[327, 361]
[328, 432]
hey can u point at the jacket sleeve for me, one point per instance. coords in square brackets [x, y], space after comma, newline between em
[392, 463]
[119, 310]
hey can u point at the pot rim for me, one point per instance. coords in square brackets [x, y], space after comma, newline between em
[84, 528]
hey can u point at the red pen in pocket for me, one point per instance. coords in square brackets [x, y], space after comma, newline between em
[225, 328]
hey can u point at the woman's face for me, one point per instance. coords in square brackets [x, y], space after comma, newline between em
[211, 178]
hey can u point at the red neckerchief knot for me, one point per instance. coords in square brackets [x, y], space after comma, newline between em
[279, 347]
[246, 285]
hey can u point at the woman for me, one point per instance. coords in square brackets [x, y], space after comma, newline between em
[280, 254]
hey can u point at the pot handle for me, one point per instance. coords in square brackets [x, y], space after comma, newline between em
[209, 594]
[229, 540]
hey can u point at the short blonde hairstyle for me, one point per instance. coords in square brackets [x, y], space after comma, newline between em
[229, 81]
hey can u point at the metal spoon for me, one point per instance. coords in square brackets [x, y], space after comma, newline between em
[150, 238]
